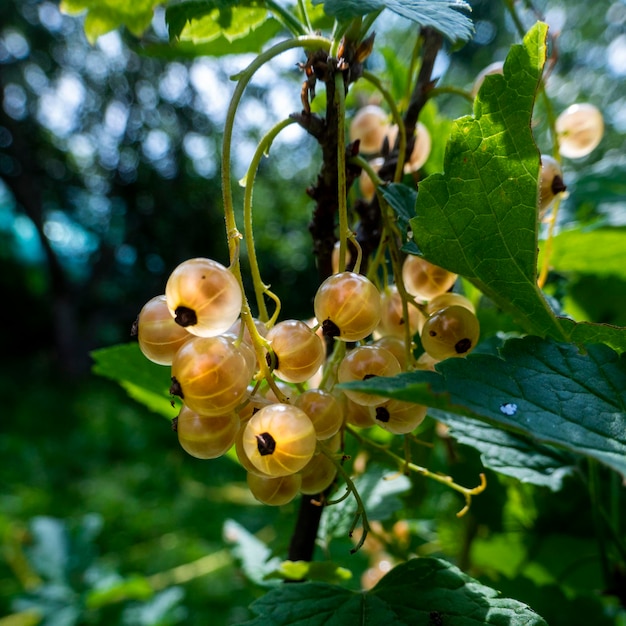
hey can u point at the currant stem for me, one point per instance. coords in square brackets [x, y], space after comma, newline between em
[404, 465]
[360, 511]
[260, 289]
[342, 191]
[243, 78]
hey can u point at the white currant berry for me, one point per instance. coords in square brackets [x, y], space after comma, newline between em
[204, 297]
[369, 126]
[579, 129]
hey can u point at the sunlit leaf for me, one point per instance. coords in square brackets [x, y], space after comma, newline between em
[479, 217]
[106, 15]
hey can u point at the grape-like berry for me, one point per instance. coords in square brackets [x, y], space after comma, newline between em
[450, 332]
[204, 297]
[579, 129]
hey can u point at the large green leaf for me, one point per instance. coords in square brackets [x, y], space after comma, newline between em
[204, 21]
[510, 453]
[479, 217]
[422, 591]
[442, 15]
[544, 390]
[144, 381]
[106, 15]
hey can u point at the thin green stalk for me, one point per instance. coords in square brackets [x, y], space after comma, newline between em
[403, 466]
[456, 91]
[342, 187]
[360, 511]
[260, 289]
[305, 15]
[243, 78]
[287, 18]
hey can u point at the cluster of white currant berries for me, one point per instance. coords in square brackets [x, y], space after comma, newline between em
[286, 444]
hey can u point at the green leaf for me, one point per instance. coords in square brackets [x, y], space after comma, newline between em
[380, 500]
[509, 453]
[144, 381]
[422, 591]
[106, 15]
[479, 218]
[599, 252]
[582, 333]
[442, 15]
[253, 43]
[544, 390]
[204, 21]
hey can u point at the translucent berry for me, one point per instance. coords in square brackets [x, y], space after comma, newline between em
[211, 375]
[369, 126]
[206, 437]
[579, 129]
[396, 346]
[421, 148]
[450, 332]
[400, 417]
[424, 280]
[366, 186]
[448, 299]
[318, 474]
[363, 363]
[159, 336]
[348, 306]
[204, 297]
[550, 182]
[392, 320]
[297, 351]
[279, 439]
[359, 415]
[323, 409]
[274, 491]
[493, 68]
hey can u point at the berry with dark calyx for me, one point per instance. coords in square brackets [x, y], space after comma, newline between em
[400, 417]
[550, 182]
[348, 306]
[298, 352]
[279, 439]
[204, 297]
[158, 335]
[366, 362]
[450, 332]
